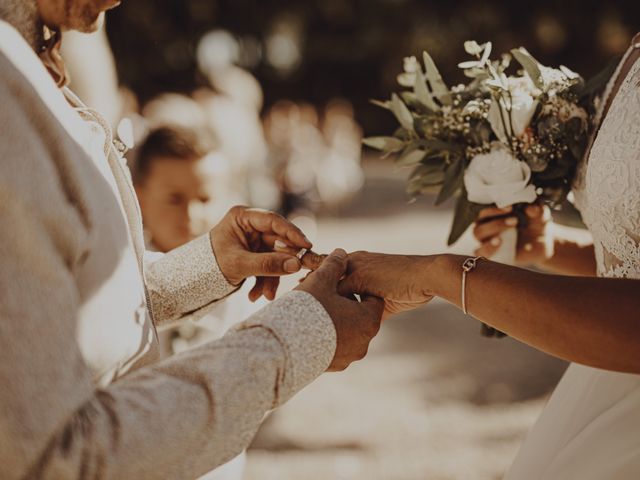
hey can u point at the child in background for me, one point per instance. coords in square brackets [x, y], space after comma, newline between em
[183, 185]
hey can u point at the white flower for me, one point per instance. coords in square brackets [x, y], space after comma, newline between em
[497, 177]
[520, 99]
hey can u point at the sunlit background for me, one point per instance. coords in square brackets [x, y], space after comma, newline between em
[284, 86]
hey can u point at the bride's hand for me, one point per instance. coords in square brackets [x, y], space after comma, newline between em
[395, 278]
[535, 241]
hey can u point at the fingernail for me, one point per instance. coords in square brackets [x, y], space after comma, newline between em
[528, 247]
[496, 241]
[507, 209]
[292, 265]
[511, 222]
[280, 244]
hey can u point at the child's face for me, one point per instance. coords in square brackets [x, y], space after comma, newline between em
[182, 199]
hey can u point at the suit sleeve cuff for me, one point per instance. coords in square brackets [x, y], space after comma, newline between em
[307, 335]
[185, 280]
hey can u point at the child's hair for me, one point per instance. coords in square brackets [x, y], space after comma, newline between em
[171, 142]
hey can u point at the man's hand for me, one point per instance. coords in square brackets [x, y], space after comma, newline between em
[356, 322]
[395, 278]
[243, 243]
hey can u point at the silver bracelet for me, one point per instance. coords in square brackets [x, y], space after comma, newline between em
[469, 265]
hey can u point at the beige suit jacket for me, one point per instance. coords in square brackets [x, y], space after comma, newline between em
[80, 301]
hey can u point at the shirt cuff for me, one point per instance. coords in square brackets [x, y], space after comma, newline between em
[307, 334]
[187, 279]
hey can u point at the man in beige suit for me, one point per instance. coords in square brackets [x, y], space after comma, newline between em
[80, 300]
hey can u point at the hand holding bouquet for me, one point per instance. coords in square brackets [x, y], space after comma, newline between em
[504, 139]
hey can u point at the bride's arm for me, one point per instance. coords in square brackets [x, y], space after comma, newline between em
[593, 321]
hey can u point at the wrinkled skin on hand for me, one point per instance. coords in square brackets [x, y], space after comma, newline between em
[390, 277]
[395, 278]
[356, 323]
[244, 244]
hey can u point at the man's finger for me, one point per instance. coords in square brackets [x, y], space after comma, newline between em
[310, 260]
[269, 264]
[271, 287]
[256, 291]
[272, 223]
[280, 246]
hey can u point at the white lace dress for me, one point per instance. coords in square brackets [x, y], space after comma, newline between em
[590, 429]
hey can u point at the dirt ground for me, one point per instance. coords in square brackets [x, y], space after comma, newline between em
[433, 400]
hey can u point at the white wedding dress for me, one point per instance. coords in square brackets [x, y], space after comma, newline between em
[590, 429]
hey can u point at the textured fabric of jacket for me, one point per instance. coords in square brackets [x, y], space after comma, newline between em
[80, 301]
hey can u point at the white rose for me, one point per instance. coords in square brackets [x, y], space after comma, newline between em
[523, 107]
[497, 177]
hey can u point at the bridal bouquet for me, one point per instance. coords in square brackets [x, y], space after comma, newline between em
[503, 139]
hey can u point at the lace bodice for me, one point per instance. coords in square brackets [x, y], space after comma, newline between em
[607, 189]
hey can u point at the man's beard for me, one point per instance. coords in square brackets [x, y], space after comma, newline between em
[24, 16]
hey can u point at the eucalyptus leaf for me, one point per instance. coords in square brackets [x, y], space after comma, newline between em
[406, 79]
[424, 181]
[440, 145]
[469, 64]
[453, 180]
[488, 47]
[476, 73]
[472, 47]
[496, 84]
[411, 101]
[435, 80]
[429, 173]
[530, 65]
[378, 103]
[465, 214]
[423, 94]
[410, 157]
[402, 134]
[402, 113]
[385, 144]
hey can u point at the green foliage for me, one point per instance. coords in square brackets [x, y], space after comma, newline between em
[530, 65]
[453, 179]
[442, 129]
[465, 214]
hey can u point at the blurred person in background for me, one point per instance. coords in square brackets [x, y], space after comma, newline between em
[316, 155]
[81, 299]
[183, 186]
[182, 182]
[232, 103]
